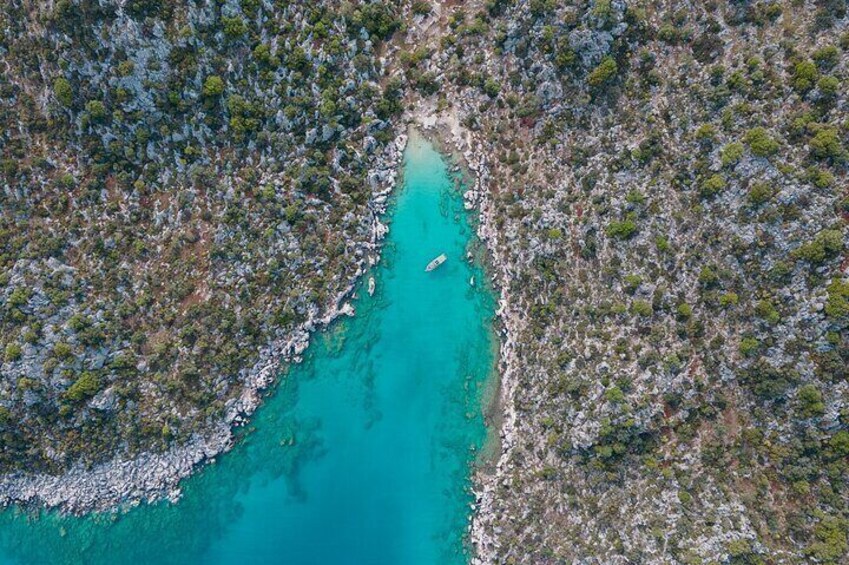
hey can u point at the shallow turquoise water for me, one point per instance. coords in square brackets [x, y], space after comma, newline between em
[362, 455]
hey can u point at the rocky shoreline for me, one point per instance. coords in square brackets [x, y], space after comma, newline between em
[124, 483]
[461, 142]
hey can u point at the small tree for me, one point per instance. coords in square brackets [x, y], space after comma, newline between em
[621, 230]
[810, 401]
[63, 92]
[234, 27]
[96, 110]
[760, 193]
[712, 186]
[603, 74]
[826, 144]
[84, 387]
[804, 76]
[213, 86]
[760, 142]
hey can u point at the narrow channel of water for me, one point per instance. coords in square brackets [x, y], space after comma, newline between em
[363, 454]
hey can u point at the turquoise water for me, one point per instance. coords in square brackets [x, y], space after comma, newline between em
[362, 455]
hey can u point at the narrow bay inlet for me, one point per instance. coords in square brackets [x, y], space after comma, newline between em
[364, 452]
[379, 282]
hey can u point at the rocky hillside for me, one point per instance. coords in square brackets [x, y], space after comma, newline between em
[666, 186]
[663, 189]
[183, 185]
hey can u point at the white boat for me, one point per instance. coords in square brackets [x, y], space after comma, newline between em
[370, 286]
[435, 263]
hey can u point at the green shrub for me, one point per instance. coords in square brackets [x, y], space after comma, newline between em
[262, 53]
[740, 550]
[826, 144]
[712, 186]
[766, 311]
[737, 81]
[760, 142]
[804, 76]
[621, 230]
[749, 346]
[491, 87]
[13, 352]
[63, 92]
[234, 27]
[62, 350]
[641, 308]
[708, 277]
[378, 19]
[831, 541]
[84, 387]
[706, 133]
[604, 73]
[78, 322]
[826, 57]
[729, 299]
[670, 34]
[780, 272]
[615, 395]
[810, 401]
[634, 196]
[421, 8]
[19, 297]
[632, 283]
[768, 382]
[820, 177]
[731, 153]
[565, 58]
[125, 68]
[829, 86]
[684, 311]
[839, 444]
[213, 86]
[826, 245]
[759, 193]
[837, 304]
